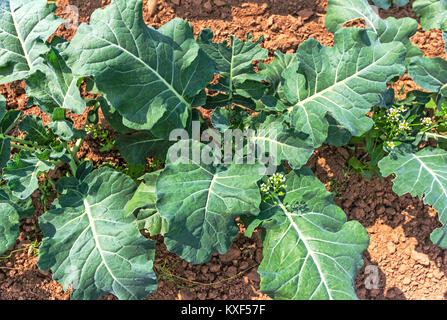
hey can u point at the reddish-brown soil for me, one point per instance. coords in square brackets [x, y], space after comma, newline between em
[408, 265]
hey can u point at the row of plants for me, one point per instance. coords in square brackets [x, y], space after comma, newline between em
[150, 84]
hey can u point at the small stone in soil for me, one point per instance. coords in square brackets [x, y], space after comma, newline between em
[253, 276]
[187, 294]
[306, 13]
[420, 258]
[212, 295]
[215, 268]
[219, 3]
[232, 254]
[204, 269]
[244, 265]
[232, 271]
[208, 6]
[391, 248]
[43, 273]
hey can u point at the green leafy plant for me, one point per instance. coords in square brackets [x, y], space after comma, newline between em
[401, 125]
[149, 84]
[395, 122]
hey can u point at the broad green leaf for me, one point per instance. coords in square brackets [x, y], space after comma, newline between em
[310, 251]
[24, 208]
[53, 85]
[430, 73]
[9, 120]
[386, 4]
[233, 60]
[234, 64]
[337, 135]
[65, 184]
[154, 223]
[9, 226]
[282, 142]
[11, 210]
[432, 13]
[341, 11]
[151, 77]
[25, 26]
[201, 201]
[84, 168]
[345, 80]
[22, 173]
[143, 206]
[421, 174]
[112, 116]
[272, 73]
[90, 245]
[135, 148]
[221, 119]
[62, 126]
[65, 131]
[35, 130]
[144, 197]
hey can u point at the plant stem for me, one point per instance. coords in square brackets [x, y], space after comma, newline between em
[73, 159]
[14, 139]
[73, 167]
[18, 146]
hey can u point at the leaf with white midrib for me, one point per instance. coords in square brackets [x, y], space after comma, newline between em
[149, 76]
[90, 244]
[310, 251]
[272, 72]
[101, 251]
[282, 143]
[53, 84]
[422, 174]
[345, 80]
[22, 173]
[200, 203]
[26, 25]
[233, 62]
